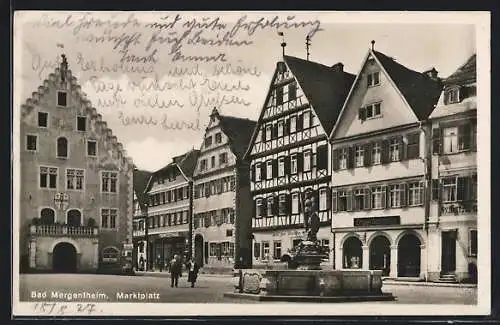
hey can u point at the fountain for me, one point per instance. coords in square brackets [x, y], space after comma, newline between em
[305, 280]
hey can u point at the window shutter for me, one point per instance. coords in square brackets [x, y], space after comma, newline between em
[263, 132]
[436, 141]
[328, 199]
[315, 196]
[422, 193]
[350, 157]
[402, 194]
[275, 167]
[276, 205]
[349, 200]
[274, 131]
[463, 92]
[335, 159]
[474, 135]
[461, 188]
[299, 122]
[465, 131]
[362, 113]
[252, 171]
[367, 199]
[401, 148]
[384, 197]
[263, 209]
[367, 159]
[256, 250]
[287, 165]
[385, 151]
[254, 209]
[263, 170]
[435, 189]
[286, 127]
[322, 157]
[334, 201]
[288, 203]
[300, 161]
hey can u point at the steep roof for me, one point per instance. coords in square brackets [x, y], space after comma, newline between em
[141, 178]
[466, 74]
[239, 131]
[325, 87]
[420, 91]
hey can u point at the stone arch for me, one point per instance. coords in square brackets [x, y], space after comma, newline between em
[73, 215]
[65, 240]
[376, 234]
[47, 216]
[352, 252]
[411, 232]
[347, 236]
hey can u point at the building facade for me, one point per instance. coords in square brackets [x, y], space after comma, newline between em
[381, 169]
[453, 205]
[222, 203]
[169, 210]
[141, 203]
[289, 155]
[76, 182]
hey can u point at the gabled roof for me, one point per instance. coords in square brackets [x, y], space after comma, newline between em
[239, 131]
[185, 163]
[325, 88]
[141, 178]
[466, 74]
[420, 91]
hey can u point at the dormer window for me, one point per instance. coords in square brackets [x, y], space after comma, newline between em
[208, 141]
[62, 98]
[373, 79]
[452, 95]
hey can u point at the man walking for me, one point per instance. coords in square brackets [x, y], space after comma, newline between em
[175, 271]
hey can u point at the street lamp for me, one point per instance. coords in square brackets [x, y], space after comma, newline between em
[146, 233]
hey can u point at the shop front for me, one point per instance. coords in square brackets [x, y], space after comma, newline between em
[165, 246]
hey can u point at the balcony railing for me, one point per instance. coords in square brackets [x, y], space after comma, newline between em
[63, 230]
[456, 208]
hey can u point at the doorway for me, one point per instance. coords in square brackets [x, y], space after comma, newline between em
[409, 256]
[64, 258]
[353, 253]
[380, 255]
[74, 218]
[198, 249]
[448, 252]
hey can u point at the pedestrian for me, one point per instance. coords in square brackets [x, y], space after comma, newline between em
[192, 268]
[175, 271]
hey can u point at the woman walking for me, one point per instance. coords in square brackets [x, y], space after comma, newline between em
[192, 268]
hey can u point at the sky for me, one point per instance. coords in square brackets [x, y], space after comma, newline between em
[171, 69]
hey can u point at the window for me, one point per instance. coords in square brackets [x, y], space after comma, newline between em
[359, 199]
[108, 182]
[92, 148]
[395, 196]
[378, 197]
[108, 218]
[208, 141]
[213, 249]
[449, 189]
[279, 96]
[293, 164]
[269, 169]
[450, 140]
[360, 155]
[218, 137]
[43, 119]
[452, 96]
[269, 132]
[258, 207]
[232, 183]
[81, 123]
[277, 250]
[473, 242]
[74, 179]
[31, 142]
[203, 164]
[270, 201]
[62, 98]
[185, 217]
[295, 203]
[280, 128]
[48, 177]
[323, 199]
[265, 250]
[292, 91]
[62, 148]
[342, 200]
[281, 166]
[413, 146]
[343, 156]
[415, 193]
[186, 192]
[376, 153]
[307, 161]
[372, 110]
[306, 120]
[282, 205]
[293, 124]
[373, 79]
[213, 162]
[394, 150]
[223, 158]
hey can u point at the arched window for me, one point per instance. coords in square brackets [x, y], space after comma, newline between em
[74, 218]
[62, 147]
[47, 216]
[110, 254]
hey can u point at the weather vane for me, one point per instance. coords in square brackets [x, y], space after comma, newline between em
[308, 44]
[283, 43]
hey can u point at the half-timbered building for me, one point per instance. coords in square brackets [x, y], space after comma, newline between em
[453, 216]
[222, 202]
[289, 154]
[380, 169]
[141, 178]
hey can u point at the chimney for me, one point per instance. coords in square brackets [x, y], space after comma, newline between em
[431, 73]
[338, 67]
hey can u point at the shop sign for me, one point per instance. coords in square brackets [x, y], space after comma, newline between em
[377, 221]
[291, 233]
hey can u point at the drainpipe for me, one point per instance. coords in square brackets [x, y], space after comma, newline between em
[427, 190]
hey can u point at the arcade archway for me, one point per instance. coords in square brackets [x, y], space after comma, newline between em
[64, 258]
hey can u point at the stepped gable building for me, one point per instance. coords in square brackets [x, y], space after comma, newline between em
[381, 169]
[169, 210]
[222, 203]
[141, 178]
[453, 205]
[289, 154]
[76, 182]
